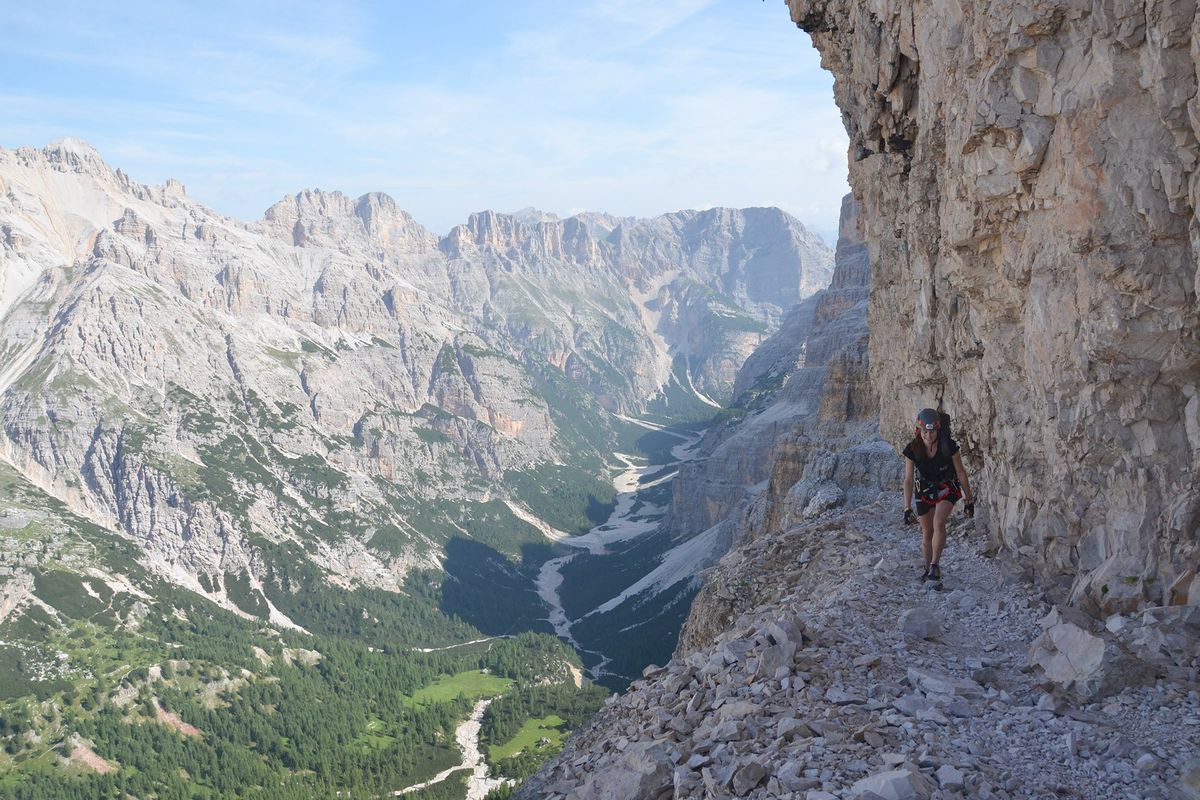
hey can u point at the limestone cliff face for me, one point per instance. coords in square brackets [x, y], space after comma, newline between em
[1028, 178]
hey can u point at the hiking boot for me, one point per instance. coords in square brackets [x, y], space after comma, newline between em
[925, 575]
[935, 572]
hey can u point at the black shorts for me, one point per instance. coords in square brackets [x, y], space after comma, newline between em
[946, 492]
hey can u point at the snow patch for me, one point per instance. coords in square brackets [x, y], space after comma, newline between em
[679, 563]
[276, 616]
[525, 515]
[687, 371]
[118, 583]
[460, 644]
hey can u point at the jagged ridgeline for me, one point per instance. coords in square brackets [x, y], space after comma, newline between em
[227, 445]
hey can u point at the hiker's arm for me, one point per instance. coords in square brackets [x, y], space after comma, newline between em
[908, 483]
[961, 472]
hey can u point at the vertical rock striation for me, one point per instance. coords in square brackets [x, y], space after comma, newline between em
[1028, 178]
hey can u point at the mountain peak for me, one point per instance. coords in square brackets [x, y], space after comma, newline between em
[530, 215]
[332, 217]
[71, 155]
[311, 203]
[71, 145]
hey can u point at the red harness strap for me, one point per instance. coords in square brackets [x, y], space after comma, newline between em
[948, 491]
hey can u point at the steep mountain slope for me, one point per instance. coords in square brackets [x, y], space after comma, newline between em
[804, 438]
[338, 387]
[804, 387]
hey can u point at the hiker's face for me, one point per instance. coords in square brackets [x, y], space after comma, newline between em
[929, 436]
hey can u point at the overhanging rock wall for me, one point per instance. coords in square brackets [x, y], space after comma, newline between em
[1028, 179]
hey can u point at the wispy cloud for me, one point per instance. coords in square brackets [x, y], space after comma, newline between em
[618, 105]
[645, 20]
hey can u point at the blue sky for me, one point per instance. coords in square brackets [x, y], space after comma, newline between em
[626, 106]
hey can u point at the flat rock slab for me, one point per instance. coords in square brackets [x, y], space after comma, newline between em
[905, 783]
[930, 682]
[920, 622]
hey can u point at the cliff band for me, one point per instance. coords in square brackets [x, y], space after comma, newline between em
[1027, 175]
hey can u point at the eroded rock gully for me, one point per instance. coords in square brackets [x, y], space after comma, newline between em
[1028, 182]
[844, 678]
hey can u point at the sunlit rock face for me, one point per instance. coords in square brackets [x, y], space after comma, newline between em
[1028, 179]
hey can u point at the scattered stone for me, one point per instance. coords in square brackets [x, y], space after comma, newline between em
[897, 784]
[1075, 656]
[644, 771]
[861, 710]
[748, 777]
[1189, 779]
[873, 739]
[931, 682]
[651, 670]
[958, 707]
[932, 715]
[785, 631]
[949, 777]
[790, 727]
[920, 622]
[840, 697]
[1119, 747]
[911, 704]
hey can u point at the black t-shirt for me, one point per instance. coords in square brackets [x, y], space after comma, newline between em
[932, 471]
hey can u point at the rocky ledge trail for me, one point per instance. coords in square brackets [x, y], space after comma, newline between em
[843, 676]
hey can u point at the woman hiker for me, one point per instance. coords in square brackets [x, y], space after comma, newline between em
[940, 482]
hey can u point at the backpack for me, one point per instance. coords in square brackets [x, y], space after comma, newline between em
[944, 437]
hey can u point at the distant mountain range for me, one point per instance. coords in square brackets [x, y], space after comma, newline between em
[334, 392]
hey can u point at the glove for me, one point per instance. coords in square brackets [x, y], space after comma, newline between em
[909, 517]
[969, 508]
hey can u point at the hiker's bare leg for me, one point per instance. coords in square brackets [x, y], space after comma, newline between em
[940, 514]
[926, 521]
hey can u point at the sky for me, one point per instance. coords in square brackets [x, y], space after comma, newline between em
[631, 107]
